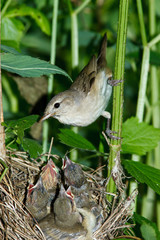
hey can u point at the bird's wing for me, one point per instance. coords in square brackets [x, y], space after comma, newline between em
[101, 60]
[86, 77]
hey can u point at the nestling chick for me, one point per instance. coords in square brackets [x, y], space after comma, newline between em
[66, 214]
[51, 178]
[53, 232]
[75, 178]
[37, 200]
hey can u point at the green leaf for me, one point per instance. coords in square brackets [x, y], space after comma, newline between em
[139, 138]
[27, 66]
[75, 140]
[38, 16]
[11, 29]
[144, 174]
[155, 58]
[144, 221]
[22, 123]
[148, 232]
[32, 147]
[8, 49]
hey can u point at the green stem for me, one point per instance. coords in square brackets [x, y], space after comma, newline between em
[143, 84]
[5, 7]
[141, 21]
[154, 41]
[5, 169]
[75, 62]
[117, 112]
[74, 40]
[143, 80]
[14, 104]
[81, 7]
[141, 100]
[155, 88]
[52, 60]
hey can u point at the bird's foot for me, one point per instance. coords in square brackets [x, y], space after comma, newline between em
[114, 82]
[110, 134]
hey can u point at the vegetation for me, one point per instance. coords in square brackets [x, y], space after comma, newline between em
[66, 34]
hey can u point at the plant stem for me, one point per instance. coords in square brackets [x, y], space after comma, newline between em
[154, 41]
[143, 84]
[2, 133]
[155, 88]
[75, 62]
[141, 99]
[52, 60]
[143, 80]
[13, 101]
[5, 168]
[81, 7]
[117, 112]
[74, 40]
[141, 21]
[5, 7]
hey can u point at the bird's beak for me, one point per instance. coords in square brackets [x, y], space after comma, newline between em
[46, 116]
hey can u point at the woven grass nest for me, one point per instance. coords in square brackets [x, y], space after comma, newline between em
[16, 222]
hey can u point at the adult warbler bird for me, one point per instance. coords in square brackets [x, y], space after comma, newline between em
[88, 96]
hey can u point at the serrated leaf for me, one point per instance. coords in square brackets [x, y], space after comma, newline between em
[75, 140]
[144, 174]
[21, 123]
[139, 138]
[37, 15]
[32, 147]
[27, 66]
[142, 220]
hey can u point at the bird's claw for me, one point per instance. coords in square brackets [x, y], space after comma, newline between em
[114, 82]
[110, 134]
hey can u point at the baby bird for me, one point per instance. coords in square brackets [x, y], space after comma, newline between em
[66, 214]
[40, 196]
[37, 200]
[51, 178]
[75, 178]
[68, 221]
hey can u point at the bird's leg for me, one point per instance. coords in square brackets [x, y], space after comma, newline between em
[108, 131]
[114, 82]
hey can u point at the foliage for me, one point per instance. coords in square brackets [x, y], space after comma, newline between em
[148, 229]
[74, 140]
[144, 174]
[139, 138]
[15, 133]
[26, 38]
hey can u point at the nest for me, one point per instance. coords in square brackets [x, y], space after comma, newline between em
[16, 222]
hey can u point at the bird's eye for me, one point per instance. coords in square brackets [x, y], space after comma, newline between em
[56, 105]
[110, 78]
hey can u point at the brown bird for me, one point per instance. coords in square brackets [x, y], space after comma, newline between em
[68, 221]
[53, 232]
[88, 96]
[40, 196]
[51, 178]
[37, 200]
[75, 178]
[66, 214]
